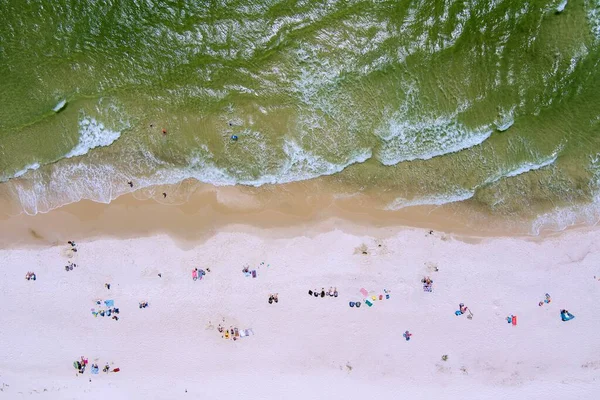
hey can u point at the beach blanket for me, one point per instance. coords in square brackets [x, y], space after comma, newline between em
[194, 274]
[364, 292]
[95, 370]
[109, 303]
[427, 288]
[246, 332]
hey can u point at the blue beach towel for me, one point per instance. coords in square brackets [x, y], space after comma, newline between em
[95, 370]
[109, 303]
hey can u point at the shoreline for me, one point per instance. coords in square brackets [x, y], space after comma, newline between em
[276, 211]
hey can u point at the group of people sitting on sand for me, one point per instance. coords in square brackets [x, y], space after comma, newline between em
[107, 313]
[331, 292]
[427, 284]
[30, 276]
[273, 298]
[110, 311]
[70, 266]
[231, 333]
[462, 309]
[73, 246]
[83, 362]
[199, 273]
[143, 304]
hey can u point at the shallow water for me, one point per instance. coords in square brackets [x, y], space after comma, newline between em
[490, 103]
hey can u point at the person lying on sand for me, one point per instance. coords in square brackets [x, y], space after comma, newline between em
[322, 292]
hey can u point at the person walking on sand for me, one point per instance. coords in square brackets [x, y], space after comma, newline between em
[164, 195]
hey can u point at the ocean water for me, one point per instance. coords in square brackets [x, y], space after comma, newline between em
[491, 103]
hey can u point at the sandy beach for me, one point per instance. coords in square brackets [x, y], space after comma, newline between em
[303, 346]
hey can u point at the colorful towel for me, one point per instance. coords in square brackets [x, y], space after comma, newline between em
[109, 303]
[364, 292]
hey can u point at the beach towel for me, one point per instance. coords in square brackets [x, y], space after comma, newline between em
[194, 274]
[364, 292]
[109, 303]
[368, 302]
[95, 370]
[254, 273]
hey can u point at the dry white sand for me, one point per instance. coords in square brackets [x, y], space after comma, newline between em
[304, 347]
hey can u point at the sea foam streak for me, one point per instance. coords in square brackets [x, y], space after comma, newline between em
[92, 134]
[433, 200]
[425, 139]
[462, 194]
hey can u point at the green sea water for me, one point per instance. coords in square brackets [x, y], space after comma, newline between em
[489, 102]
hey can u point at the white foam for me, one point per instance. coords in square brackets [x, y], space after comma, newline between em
[462, 194]
[427, 138]
[71, 181]
[593, 14]
[523, 168]
[92, 134]
[505, 121]
[30, 167]
[432, 200]
[530, 166]
[61, 104]
[561, 6]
